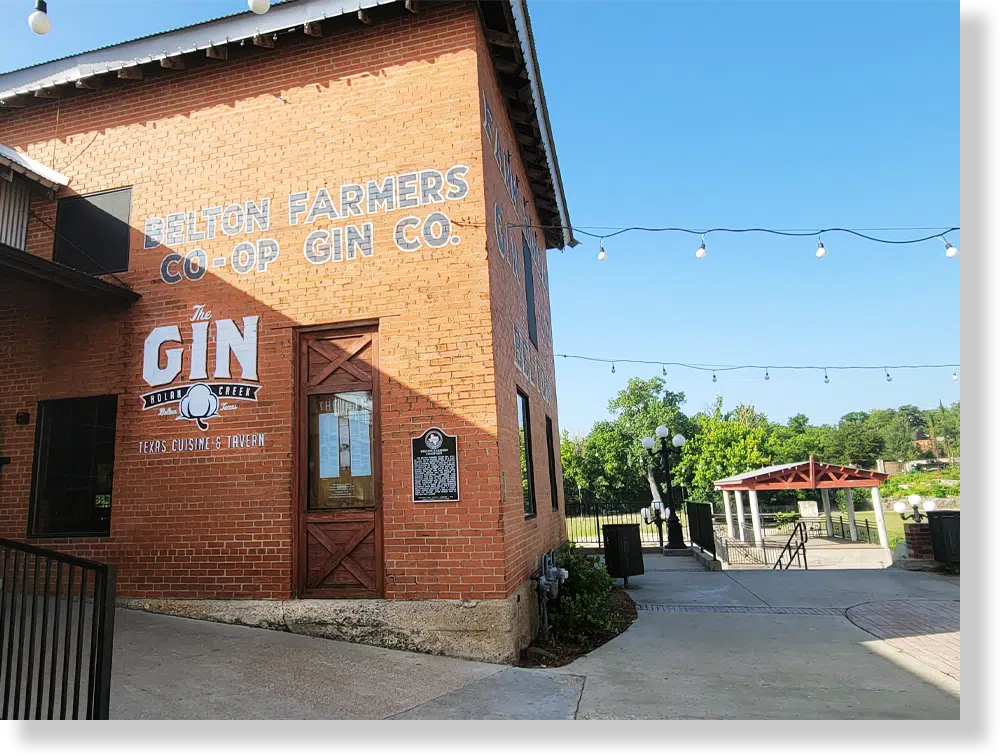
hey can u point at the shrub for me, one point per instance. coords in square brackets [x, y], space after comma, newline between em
[581, 613]
[783, 517]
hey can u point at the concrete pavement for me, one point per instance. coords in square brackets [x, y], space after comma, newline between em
[706, 645]
[763, 644]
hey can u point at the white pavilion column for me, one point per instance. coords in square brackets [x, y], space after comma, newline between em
[883, 534]
[758, 531]
[738, 495]
[849, 499]
[730, 530]
[826, 511]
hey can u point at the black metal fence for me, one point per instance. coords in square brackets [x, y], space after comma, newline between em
[700, 525]
[585, 521]
[57, 616]
[815, 527]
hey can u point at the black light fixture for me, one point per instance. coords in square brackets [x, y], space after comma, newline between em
[675, 533]
[39, 18]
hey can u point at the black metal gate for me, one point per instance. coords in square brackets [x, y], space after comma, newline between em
[57, 620]
[701, 525]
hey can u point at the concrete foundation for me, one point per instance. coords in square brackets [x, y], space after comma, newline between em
[492, 630]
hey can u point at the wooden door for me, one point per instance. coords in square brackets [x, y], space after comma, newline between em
[339, 529]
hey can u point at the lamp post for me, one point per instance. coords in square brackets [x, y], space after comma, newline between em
[675, 534]
[914, 500]
[653, 515]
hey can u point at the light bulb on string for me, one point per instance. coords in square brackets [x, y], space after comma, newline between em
[701, 250]
[714, 378]
[602, 255]
[664, 370]
[820, 249]
[612, 367]
[954, 375]
[767, 376]
[259, 7]
[949, 251]
[39, 19]
[888, 378]
[826, 378]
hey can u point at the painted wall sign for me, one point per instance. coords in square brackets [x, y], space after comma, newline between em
[526, 360]
[194, 397]
[435, 466]
[350, 239]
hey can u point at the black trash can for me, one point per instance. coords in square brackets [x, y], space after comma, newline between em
[623, 551]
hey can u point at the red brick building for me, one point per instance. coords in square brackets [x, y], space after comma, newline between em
[274, 317]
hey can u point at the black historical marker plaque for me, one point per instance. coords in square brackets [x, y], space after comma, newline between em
[435, 466]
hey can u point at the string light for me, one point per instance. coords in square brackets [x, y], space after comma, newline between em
[716, 368]
[826, 378]
[612, 367]
[949, 251]
[700, 254]
[820, 249]
[39, 20]
[714, 379]
[602, 255]
[767, 376]
[888, 378]
[664, 369]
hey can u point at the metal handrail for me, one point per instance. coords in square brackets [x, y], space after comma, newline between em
[800, 548]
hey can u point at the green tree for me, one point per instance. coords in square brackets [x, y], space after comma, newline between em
[855, 442]
[724, 444]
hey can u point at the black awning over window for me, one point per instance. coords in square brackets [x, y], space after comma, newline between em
[14, 262]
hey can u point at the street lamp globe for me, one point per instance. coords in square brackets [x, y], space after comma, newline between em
[648, 442]
[914, 500]
[900, 507]
[679, 440]
[662, 431]
[259, 7]
[930, 506]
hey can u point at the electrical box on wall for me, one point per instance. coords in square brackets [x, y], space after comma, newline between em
[22, 418]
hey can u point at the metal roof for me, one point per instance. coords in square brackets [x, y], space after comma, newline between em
[186, 39]
[31, 169]
[761, 471]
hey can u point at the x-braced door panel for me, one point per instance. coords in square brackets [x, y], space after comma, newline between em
[340, 524]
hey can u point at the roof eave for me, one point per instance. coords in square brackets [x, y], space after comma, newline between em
[522, 23]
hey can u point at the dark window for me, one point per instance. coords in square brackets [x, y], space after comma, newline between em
[92, 232]
[551, 443]
[527, 470]
[74, 464]
[529, 291]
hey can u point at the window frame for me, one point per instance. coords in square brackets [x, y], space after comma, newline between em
[42, 409]
[528, 497]
[61, 202]
[529, 290]
[550, 443]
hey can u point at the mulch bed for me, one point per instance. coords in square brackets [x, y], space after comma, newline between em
[558, 653]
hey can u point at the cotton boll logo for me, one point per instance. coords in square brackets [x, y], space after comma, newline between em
[199, 404]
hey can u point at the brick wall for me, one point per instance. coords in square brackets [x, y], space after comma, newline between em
[401, 96]
[525, 538]
[918, 540]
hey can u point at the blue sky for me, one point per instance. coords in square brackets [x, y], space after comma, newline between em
[699, 114]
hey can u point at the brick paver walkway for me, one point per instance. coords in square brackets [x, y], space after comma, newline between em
[927, 630]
